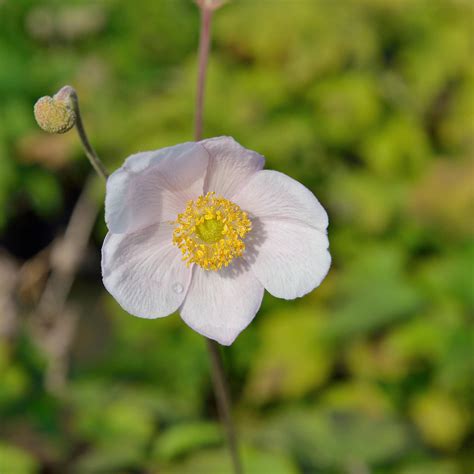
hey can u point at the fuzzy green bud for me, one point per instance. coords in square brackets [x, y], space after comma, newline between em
[55, 114]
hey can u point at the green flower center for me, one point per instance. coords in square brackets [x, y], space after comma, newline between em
[210, 230]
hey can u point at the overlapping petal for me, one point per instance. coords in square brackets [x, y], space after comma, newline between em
[230, 165]
[270, 194]
[219, 305]
[144, 272]
[289, 259]
[288, 251]
[154, 186]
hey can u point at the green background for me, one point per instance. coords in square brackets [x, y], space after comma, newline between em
[369, 103]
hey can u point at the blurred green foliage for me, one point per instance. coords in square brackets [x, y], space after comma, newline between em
[370, 103]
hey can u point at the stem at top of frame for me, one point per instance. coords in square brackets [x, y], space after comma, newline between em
[203, 58]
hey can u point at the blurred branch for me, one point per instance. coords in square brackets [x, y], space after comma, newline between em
[55, 323]
[9, 279]
[33, 274]
[55, 339]
[67, 252]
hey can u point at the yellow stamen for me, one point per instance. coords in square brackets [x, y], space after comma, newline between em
[210, 232]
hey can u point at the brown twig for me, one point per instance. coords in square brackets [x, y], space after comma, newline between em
[68, 251]
[55, 323]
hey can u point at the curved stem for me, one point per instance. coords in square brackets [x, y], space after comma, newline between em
[219, 381]
[221, 391]
[69, 94]
[88, 149]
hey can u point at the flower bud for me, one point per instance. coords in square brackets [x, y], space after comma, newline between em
[55, 114]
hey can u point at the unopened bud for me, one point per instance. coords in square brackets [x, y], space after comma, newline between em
[55, 114]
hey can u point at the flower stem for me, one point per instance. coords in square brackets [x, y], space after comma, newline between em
[219, 381]
[88, 149]
[223, 401]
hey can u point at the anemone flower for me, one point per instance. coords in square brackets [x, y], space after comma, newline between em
[201, 228]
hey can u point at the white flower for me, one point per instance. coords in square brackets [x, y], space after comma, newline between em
[201, 228]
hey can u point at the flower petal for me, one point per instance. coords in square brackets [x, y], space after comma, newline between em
[270, 194]
[230, 165]
[289, 259]
[144, 271]
[154, 186]
[220, 304]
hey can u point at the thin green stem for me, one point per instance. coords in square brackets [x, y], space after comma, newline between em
[69, 93]
[221, 391]
[88, 149]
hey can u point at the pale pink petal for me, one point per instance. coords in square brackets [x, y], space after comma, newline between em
[154, 186]
[144, 272]
[230, 165]
[220, 304]
[270, 194]
[290, 259]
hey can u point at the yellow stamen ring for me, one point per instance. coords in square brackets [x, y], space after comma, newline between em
[210, 232]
